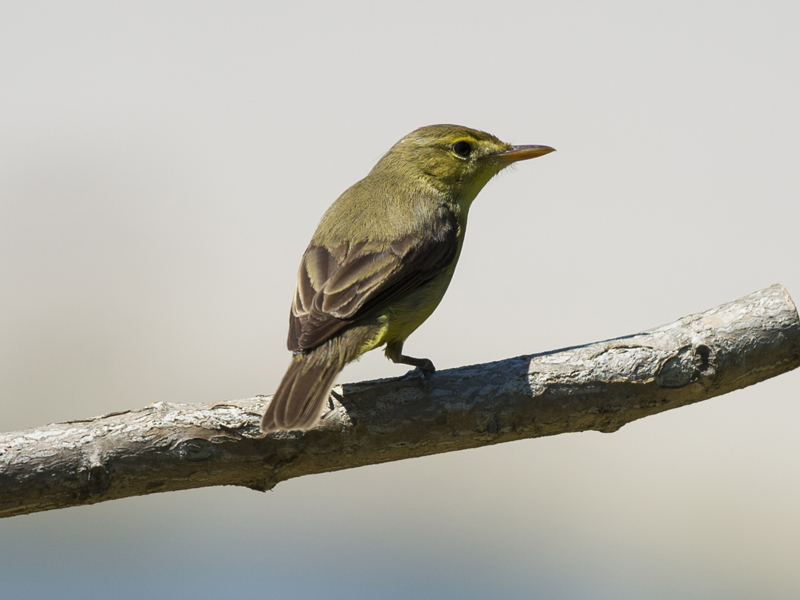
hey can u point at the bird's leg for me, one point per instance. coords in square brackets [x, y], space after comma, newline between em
[423, 364]
[394, 352]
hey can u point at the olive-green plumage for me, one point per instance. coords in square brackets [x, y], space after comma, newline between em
[381, 260]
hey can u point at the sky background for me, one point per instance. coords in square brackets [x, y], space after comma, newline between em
[164, 164]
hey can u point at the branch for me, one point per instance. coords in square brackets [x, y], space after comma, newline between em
[602, 386]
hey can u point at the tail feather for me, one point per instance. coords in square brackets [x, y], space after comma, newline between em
[301, 395]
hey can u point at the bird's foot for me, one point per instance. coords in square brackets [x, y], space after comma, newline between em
[423, 374]
[331, 406]
[423, 378]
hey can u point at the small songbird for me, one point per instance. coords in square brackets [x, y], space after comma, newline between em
[381, 260]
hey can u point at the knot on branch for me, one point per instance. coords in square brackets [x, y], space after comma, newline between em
[99, 479]
[689, 364]
[194, 450]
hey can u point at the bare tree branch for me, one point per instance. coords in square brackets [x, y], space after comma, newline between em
[601, 386]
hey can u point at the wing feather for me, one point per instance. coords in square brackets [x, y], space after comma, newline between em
[337, 286]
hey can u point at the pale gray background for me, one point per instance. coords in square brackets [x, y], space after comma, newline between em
[163, 165]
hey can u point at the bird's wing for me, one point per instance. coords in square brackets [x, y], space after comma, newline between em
[336, 286]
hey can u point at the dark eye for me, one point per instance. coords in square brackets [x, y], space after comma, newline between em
[462, 148]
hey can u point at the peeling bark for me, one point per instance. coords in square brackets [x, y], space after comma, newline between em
[602, 386]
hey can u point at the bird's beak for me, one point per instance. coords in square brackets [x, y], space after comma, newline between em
[515, 153]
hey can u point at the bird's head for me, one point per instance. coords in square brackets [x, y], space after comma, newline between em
[455, 160]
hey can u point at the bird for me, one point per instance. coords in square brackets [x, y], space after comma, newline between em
[381, 260]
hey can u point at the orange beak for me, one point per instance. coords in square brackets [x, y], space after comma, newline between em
[515, 153]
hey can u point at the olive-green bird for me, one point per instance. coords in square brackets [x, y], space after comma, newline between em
[381, 260]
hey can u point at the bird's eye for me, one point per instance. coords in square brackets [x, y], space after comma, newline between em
[462, 148]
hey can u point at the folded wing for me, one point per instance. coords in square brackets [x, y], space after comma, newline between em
[336, 286]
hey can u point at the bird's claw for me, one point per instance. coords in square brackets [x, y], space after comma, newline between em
[331, 406]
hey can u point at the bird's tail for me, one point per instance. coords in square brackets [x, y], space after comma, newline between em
[300, 398]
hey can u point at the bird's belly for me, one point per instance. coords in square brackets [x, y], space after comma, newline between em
[406, 314]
